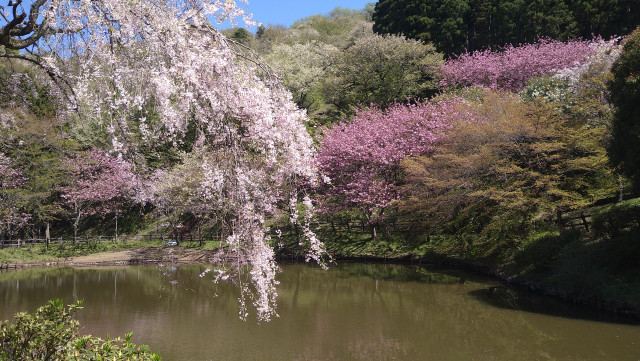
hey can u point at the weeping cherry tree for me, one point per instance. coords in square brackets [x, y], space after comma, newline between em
[163, 64]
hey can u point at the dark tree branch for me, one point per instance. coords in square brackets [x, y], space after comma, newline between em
[62, 83]
[11, 34]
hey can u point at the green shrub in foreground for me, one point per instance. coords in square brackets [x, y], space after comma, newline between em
[51, 333]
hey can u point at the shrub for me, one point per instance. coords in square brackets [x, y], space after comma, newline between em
[618, 218]
[50, 333]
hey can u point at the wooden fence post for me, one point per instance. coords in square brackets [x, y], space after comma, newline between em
[584, 221]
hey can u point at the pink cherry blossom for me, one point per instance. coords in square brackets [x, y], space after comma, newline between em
[362, 157]
[511, 67]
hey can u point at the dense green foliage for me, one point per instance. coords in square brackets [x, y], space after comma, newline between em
[456, 26]
[51, 333]
[334, 63]
[625, 96]
[498, 178]
[379, 70]
[618, 219]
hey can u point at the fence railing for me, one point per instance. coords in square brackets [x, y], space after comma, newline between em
[582, 220]
[163, 237]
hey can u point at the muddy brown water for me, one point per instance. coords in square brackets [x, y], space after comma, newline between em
[354, 311]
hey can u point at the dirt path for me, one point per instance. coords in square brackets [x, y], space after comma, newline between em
[145, 255]
[131, 257]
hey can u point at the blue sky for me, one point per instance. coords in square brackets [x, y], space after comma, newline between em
[285, 12]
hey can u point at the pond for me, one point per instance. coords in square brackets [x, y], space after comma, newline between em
[354, 311]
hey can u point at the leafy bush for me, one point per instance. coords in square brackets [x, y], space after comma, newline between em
[617, 219]
[50, 333]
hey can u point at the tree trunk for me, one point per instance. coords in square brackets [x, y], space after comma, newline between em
[620, 189]
[75, 232]
[47, 236]
[75, 225]
[297, 232]
[116, 227]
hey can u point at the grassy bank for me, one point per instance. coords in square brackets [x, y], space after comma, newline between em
[39, 253]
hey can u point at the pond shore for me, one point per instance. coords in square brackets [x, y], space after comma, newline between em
[180, 255]
[612, 304]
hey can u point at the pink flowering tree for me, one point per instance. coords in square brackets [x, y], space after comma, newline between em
[511, 67]
[361, 157]
[163, 64]
[12, 216]
[98, 184]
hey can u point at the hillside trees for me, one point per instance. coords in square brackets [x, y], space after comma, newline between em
[334, 63]
[162, 68]
[533, 154]
[381, 69]
[624, 88]
[494, 178]
[512, 67]
[457, 26]
[302, 67]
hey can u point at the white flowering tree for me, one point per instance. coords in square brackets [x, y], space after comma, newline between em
[162, 64]
[302, 66]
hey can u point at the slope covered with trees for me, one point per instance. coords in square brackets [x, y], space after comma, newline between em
[457, 26]
[479, 159]
[333, 63]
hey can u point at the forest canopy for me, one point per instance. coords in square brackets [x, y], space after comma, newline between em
[457, 26]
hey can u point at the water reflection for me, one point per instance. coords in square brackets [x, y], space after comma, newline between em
[352, 312]
[512, 299]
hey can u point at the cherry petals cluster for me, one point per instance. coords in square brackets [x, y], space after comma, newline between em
[12, 216]
[606, 52]
[10, 177]
[362, 157]
[98, 183]
[511, 67]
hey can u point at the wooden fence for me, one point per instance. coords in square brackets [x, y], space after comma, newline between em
[161, 237]
[582, 220]
[574, 221]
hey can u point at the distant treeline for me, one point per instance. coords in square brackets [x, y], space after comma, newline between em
[456, 26]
